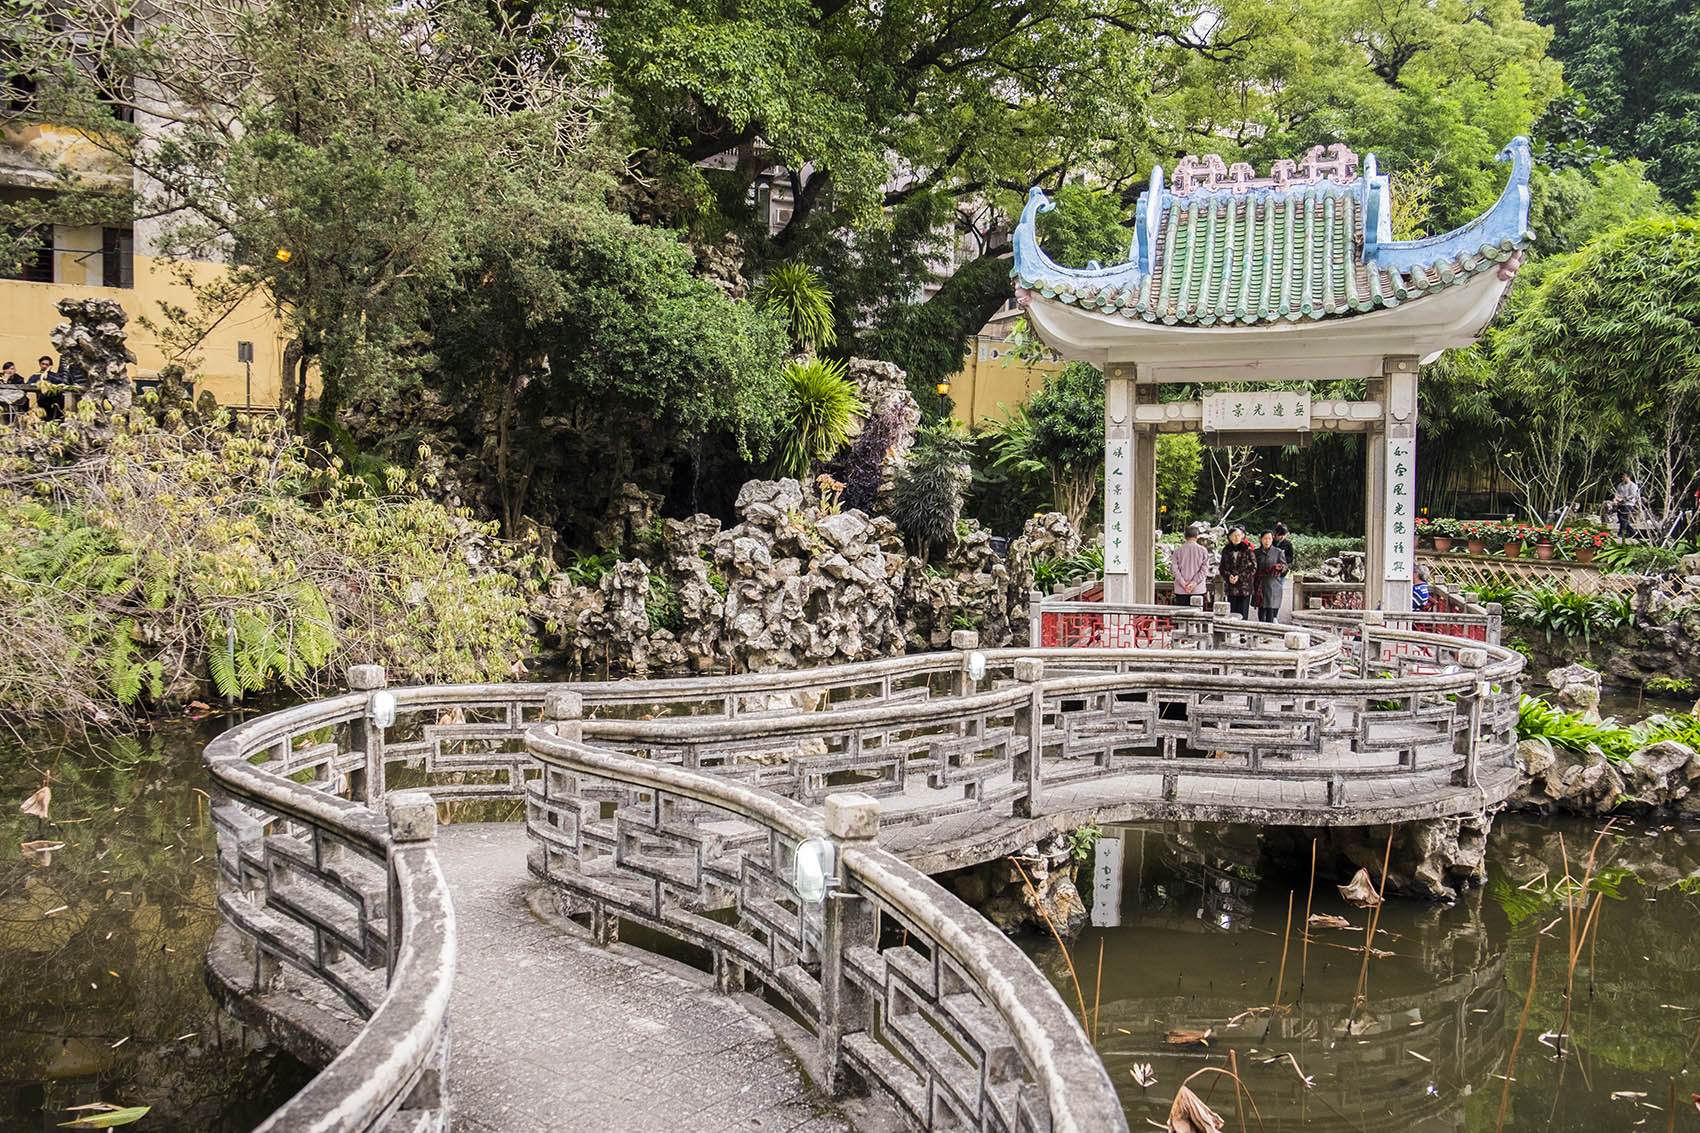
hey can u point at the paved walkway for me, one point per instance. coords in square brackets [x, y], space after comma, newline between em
[550, 1031]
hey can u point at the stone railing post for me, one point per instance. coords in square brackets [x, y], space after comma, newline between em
[847, 921]
[564, 708]
[1030, 733]
[1496, 619]
[367, 783]
[963, 641]
[1297, 641]
[413, 828]
[1469, 708]
[1035, 618]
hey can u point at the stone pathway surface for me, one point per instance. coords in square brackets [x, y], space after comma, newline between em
[552, 1032]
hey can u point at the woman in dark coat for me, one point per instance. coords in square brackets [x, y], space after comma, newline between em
[1271, 565]
[1239, 572]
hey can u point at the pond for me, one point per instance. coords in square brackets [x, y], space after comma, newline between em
[102, 940]
[1421, 1040]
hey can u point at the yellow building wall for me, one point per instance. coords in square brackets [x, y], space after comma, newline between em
[27, 317]
[992, 374]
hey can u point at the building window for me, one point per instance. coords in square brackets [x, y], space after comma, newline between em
[117, 258]
[38, 269]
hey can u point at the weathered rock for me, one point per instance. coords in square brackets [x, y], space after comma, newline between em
[1577, 689]
[92, 350]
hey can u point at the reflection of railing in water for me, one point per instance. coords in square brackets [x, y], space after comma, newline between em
[316, 878]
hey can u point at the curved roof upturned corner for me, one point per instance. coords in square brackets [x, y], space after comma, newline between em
[1222, 247]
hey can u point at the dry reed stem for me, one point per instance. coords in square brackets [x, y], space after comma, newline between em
[1238, 1085]
[1067, 958]
[1589, 922]
[1239, 1102]
[1304, 956]
[1522, 1022]
[1286, 936]
[1098, 989]
[1375, 919]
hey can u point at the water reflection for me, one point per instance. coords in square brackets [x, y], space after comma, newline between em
[1204, 923]
[102, 941]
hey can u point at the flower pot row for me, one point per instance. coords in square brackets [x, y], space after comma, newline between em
[1581, 551]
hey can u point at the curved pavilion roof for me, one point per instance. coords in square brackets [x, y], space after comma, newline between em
[1310, 246]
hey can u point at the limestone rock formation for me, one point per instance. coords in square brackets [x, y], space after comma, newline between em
[1578, 690]
[92, 350]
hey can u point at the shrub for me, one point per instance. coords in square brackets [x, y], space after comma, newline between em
[930, 486]
[864, 463]
[133, 564]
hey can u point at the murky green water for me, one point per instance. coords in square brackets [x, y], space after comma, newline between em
[102, 940]
[1426, 1045]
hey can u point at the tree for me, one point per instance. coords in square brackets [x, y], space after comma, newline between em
[332, 161]
[1637, 64]
[1606, 353]
[1060, 432]
[1180, 461]
[818, 416]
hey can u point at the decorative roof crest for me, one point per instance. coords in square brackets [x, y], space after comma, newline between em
[1208, 173]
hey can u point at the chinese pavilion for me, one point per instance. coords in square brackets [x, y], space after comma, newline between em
[1269, 283]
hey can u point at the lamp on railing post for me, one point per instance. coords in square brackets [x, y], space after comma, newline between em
[847, 921]
[367, 783]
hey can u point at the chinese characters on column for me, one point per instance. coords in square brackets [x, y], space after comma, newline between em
[1400, 542]
[1118, 504]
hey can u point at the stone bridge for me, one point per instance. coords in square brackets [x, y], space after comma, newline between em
[685, 814]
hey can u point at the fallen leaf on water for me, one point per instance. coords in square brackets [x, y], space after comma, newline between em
[110, 1117]
[1360, 891]
[38, 803]
[40, 852]
[1328, 920]
[197, 706]
[1627, 1095]
[1186, 1036]
[1143, 1075]
[1189, 1114]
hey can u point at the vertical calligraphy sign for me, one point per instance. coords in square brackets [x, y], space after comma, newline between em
[1400, 543]
[1118, 504]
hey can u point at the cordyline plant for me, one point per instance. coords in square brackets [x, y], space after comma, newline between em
[136, 572]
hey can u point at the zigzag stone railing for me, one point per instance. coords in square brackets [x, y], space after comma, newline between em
[327, 872]
[905, 987]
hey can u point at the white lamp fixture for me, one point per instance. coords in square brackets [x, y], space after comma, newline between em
[977, 665]
[381, 708]
[813, 875]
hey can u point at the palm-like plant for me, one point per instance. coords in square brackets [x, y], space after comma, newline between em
[794, 292]
[822, 407]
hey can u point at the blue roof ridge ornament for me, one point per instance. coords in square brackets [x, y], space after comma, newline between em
[1505, 224]
[1033, 267]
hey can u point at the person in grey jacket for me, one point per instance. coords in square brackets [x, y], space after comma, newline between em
[1271, 565]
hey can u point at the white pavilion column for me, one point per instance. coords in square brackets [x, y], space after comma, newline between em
[1143, 536]
[1390, 452]
[1119, 482]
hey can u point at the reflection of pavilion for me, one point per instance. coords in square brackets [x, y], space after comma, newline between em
[1435, 1016]
[1294, 277]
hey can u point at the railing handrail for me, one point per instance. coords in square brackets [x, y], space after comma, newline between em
[1042, 1025]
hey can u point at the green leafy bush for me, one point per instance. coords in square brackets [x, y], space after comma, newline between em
[1536, 719]
[136, 564]
[928, 498]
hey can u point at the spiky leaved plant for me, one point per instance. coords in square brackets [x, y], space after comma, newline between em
[823, 404]
[794, 292]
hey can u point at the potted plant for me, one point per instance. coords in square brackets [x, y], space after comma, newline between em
[1515, 537]
[1475, 537]
[1444, 531]
[1544, 548]
[1582, 543]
